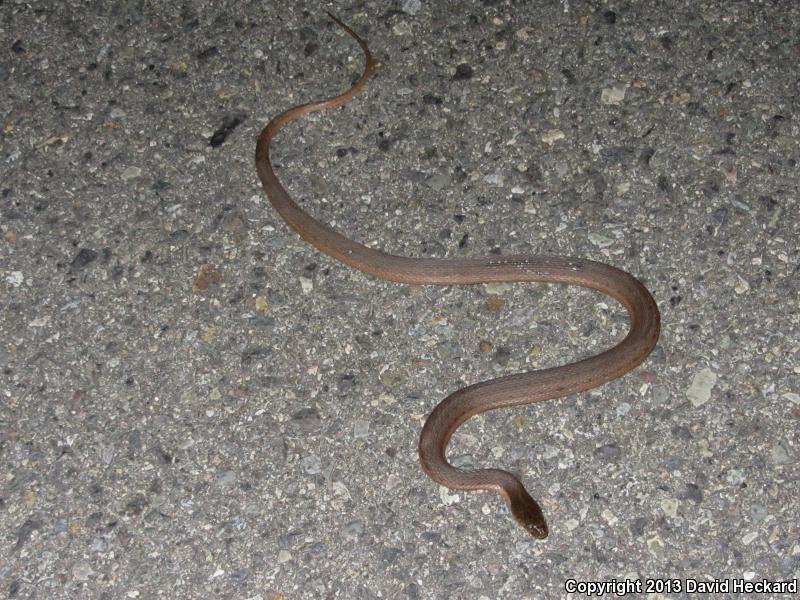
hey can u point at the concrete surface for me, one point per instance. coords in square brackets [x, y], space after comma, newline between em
[197, 404]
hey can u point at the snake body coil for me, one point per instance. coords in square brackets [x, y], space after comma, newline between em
[503, 392]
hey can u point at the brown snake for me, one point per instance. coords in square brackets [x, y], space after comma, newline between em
[511, 390]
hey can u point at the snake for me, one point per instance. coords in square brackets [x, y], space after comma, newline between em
[502, 392]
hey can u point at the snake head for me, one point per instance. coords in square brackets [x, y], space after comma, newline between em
[537, 529]
[528, 514]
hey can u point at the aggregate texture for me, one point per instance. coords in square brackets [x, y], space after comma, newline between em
[195, 403]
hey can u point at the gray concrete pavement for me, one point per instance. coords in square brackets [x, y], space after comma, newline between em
[194, 403]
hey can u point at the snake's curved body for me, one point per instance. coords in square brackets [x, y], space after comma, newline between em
[503, 392]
